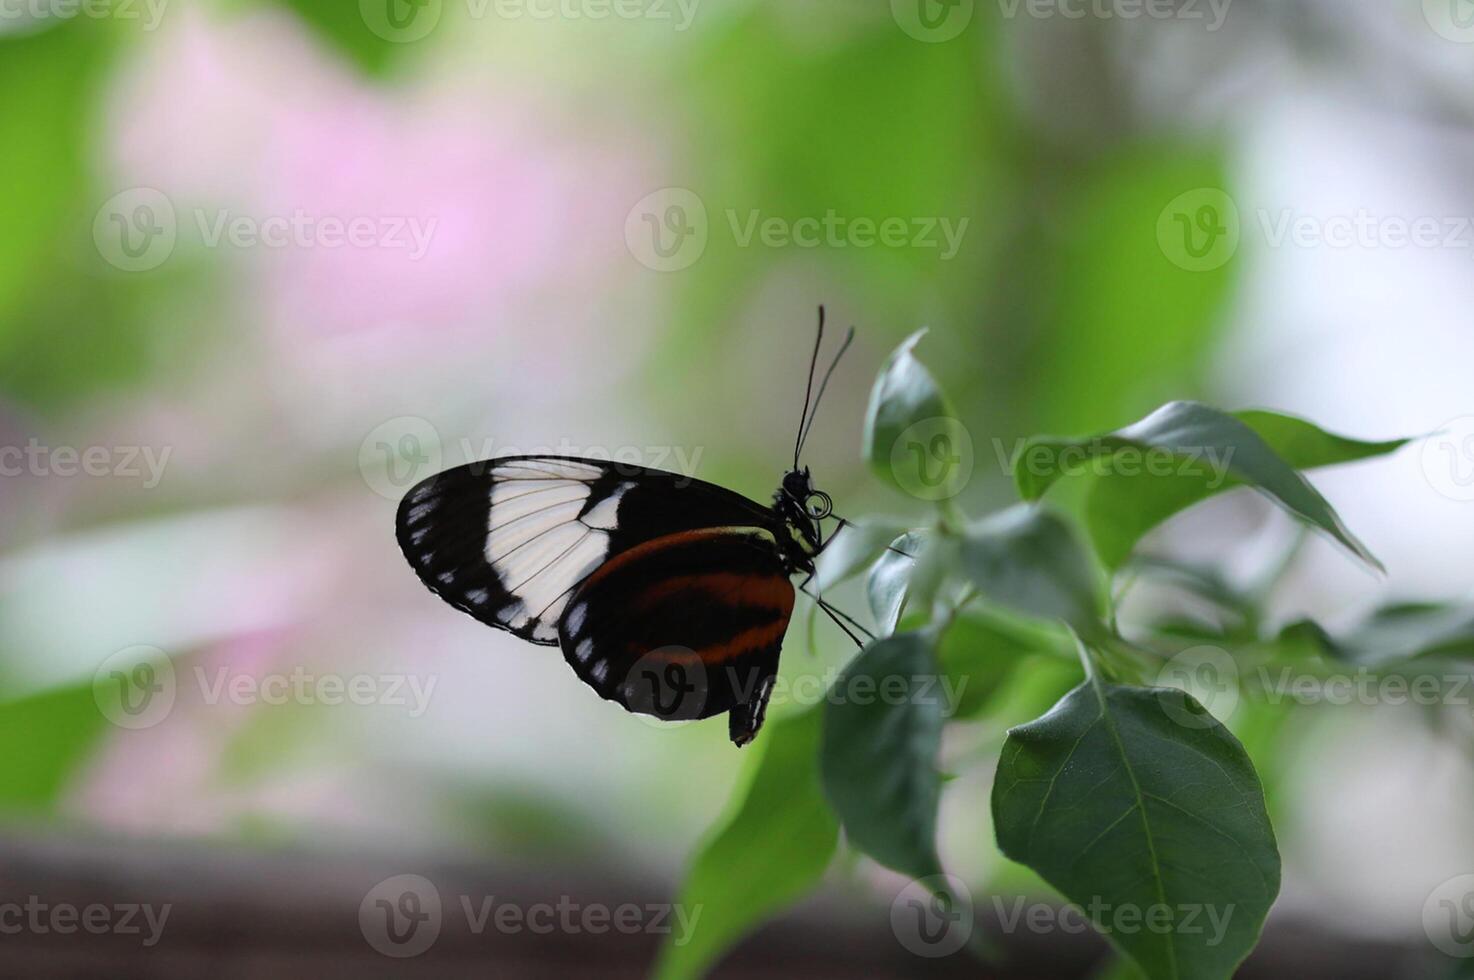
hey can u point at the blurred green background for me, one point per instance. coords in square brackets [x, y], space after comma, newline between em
[265, 264]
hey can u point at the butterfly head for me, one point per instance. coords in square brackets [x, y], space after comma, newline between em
[802, 505]
[798, 487]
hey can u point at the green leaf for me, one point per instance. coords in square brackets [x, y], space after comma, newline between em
[940, 557]
[1029, 560]
[1139, 807]
[1394, 634]
[1122, 969]
[852, 549]
[51, 269]
[882, 731]
[1305, 445]
[50, 734]
[979, 656]
[770, 849]
[46, 140]
[890, 578]
[905, 395]
[1121, 508]
[1186, 452]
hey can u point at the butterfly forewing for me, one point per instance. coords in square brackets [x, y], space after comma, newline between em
[509, 540]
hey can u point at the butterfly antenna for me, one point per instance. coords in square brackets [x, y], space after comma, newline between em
[804, 432]
[808, 389]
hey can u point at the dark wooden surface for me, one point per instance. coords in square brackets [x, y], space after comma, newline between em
[236, 912]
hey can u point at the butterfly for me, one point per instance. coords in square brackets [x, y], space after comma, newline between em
[666, 594]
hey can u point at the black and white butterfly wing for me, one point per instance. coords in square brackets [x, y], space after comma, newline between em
[509, 540]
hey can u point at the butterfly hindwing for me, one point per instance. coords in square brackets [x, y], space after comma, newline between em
[683, 626]
[509, 540]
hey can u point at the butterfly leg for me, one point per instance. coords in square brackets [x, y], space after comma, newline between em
[838, 615]
[890, 547]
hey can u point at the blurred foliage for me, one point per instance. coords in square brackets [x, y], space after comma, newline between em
[46, 135]
[341, 25]
[48, 736]
[778, 836]
[1116, 327]
[49, 305]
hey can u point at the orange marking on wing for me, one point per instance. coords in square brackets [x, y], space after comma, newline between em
[761, 591]
[753, 638]
[640, 550]
[654, 544]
